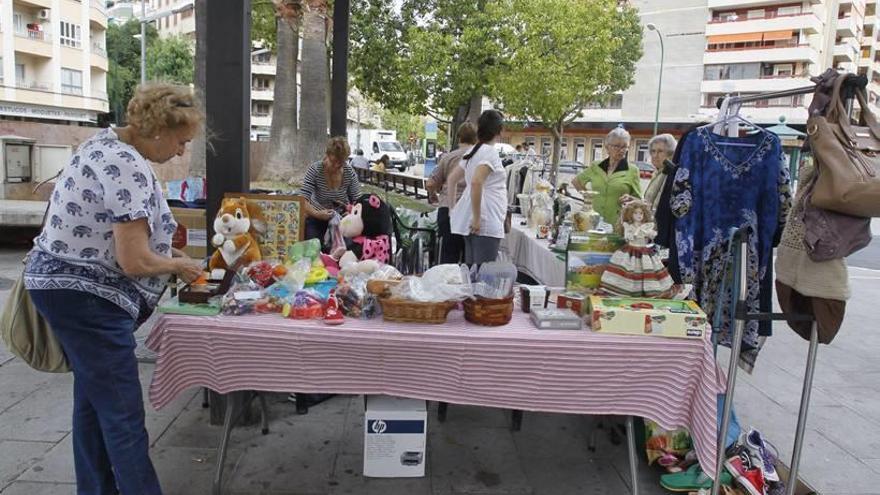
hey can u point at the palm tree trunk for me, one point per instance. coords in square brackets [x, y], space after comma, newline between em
[315, 78]
[282, 140]
[198, 151]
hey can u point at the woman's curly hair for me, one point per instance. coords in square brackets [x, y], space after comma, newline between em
[158, 106]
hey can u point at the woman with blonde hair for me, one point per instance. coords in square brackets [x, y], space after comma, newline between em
[329, 186]
[97, 270]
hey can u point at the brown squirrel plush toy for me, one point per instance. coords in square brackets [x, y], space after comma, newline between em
[237, 227]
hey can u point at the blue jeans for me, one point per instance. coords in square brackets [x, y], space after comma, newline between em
[110, 444]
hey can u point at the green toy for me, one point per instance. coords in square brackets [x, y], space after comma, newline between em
[310, 250]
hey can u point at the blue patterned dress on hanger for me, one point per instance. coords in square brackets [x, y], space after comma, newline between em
[719, 188]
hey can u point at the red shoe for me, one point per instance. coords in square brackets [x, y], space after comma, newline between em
[746, 475]
[332, 314]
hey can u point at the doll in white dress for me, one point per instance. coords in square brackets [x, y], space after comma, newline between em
[635, 270]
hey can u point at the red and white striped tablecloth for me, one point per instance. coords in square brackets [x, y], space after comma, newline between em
[674, 382]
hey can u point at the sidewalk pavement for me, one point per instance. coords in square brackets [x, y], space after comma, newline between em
[473, 452]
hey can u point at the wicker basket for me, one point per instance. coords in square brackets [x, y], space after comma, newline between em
[489, 312]
[408, 311]
[381, 287]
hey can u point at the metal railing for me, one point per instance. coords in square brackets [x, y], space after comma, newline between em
[101, 95]
[761, 47]
[33, 34]
[100, 50]
[768, 15]
[390, 181]
[35, 85]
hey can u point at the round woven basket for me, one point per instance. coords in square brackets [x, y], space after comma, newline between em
[489, 312]
[408, 311]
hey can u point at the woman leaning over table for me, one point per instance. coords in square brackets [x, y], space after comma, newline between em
[479, 214]
[96, 272]
[614, 179]
[661, 147]
[329, 186]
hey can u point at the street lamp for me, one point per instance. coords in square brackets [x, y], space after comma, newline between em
[653, 27]
[144, 43]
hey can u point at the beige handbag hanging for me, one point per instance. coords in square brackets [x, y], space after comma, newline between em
[848, 158]
[24, 330]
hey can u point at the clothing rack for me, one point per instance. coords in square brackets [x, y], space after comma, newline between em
[850, 85]
[738, 246]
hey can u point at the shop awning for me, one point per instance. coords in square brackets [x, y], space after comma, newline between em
[777, 35]
[736, 38]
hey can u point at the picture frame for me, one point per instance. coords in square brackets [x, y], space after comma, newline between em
[285, 221]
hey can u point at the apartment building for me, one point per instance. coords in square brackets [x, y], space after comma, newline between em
[719, 47]
[169, 17]
[53, 60]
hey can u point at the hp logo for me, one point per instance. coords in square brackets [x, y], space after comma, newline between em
[379, 426]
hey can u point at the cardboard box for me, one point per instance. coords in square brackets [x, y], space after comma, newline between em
[192, 235]
[395, 437]
[639, 316]
[574, 301]
[586, 257]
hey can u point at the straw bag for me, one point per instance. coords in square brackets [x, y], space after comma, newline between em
[27, 334]
[848, 157]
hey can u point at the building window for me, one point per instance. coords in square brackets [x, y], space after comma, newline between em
[613, 102]
[19, 75]
[755, 14]
[262, 58]
[598, 150]
[580, 146]
[642, 152]
[70, 35]
[563, 155]
[186, 14]
[261, 109]
[261, 83]
[71, 81]
[530, 140]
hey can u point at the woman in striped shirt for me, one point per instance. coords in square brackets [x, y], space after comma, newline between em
[329, 185]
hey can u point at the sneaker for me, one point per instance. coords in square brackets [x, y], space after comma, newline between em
[750, 477]
[759, 451]
[691, 480]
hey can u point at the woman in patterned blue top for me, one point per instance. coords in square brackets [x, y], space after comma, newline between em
[98, 269]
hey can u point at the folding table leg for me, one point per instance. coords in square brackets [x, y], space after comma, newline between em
[802, 414]
[633, 460]
[234, 403]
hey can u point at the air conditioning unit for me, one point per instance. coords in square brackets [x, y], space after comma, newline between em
[43, 14]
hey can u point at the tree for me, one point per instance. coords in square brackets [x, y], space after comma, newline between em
[124, 54]
[198, 154]
[171, 60]
[405, 124]
[285, 16]
[431, 58]
[315, 80]
[558, 56]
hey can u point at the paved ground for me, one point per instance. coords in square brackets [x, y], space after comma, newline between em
[473, 452]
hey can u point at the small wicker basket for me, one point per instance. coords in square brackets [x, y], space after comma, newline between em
[489, 312]
[408, 311]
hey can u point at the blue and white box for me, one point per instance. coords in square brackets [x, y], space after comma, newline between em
[395, 438]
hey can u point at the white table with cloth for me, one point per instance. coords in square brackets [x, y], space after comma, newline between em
[533, 256]
[674, 382]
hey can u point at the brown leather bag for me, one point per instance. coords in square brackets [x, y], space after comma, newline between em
[848, 158]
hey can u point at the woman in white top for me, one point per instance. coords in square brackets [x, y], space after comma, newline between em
[479, 214]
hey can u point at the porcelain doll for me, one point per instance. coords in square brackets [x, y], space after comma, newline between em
[635, 270]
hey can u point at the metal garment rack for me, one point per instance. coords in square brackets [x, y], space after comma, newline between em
[738, 247]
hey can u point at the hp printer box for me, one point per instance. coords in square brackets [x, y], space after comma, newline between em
[394, 437]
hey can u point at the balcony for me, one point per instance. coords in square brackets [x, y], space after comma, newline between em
[99, 62]
[33, 42]
[262, 94]
[769, 83]
[263, 68]
[98, 14]
[846, 27]
[870, 20]
[767, 115]
[33, 85]
[793, 53]
[261, 120]
[99, 49]
[846, 51]
[809, 22]
[719, 4]
[40, 4]
[100, 95]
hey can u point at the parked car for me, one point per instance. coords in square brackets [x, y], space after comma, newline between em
[646, 170]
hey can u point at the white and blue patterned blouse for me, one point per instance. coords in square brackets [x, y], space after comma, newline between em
[107, 181]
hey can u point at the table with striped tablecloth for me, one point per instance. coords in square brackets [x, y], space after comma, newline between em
[674, 382]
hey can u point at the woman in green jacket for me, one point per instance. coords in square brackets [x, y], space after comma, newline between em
[615, 180]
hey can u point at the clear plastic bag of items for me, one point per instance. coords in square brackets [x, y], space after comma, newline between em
[243, 299]
[354, 299]
[438, 284]
[494, 280]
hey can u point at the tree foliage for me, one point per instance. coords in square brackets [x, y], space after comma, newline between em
[430, 57]
[170, 60]
[559, 56]
[124, 54]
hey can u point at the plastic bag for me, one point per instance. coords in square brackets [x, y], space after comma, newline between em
[354, 299]
[417, 289]
[306, 305]
[495, 279]
[242, 299]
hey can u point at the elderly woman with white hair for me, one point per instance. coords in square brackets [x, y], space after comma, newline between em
[614, 179]
[661, 147]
